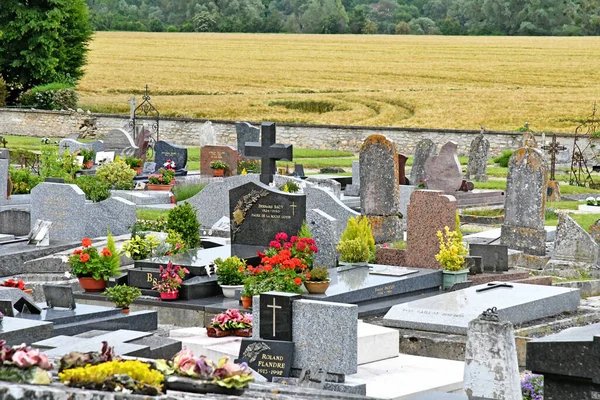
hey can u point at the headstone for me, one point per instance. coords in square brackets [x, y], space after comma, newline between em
[270, 358]
[402, 169]
[208, 136]
[478, 158]
[525, 202]
[246, 133]
[115, 214]
[425, 149]
[451, 312]
[142, 141]
[258, 213]
[324, 231]
[354, 188]
[317, 198]
[4, 153]
[276, 315]
[528, 140]
[405, 193]
[429, 211]
[226, 154]
[59, 296]
[491, 365]
[164, 151]
[3, 179]
[148, 168]
[73, 145]
[379, 192]
[268, 151]
[64, 206]
[121, 142]
[443, 171]
[299, 170]
[553, 192]
[327, 184]
[20, 300]
[494, 257]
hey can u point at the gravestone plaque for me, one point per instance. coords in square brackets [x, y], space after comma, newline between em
[121, 142]
[246, 133]
[148, 168]
[299, 170]
[258, 213]
[104, 157]
[443, 171]
[59, 296]
[478, 157]
[40, 233]
[276, 315]
[270, 358]
[73, 145]
[425, 149]
[164, 151]
[20, 300]
[494, 257]
[268, 151]
[63, 205]
[226, 154]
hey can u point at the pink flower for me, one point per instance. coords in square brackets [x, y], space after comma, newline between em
[294, 239]
[281, 236]
[185, 362]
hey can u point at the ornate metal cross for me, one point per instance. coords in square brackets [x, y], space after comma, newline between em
[553, 148]
[268, 151]
[274, 307]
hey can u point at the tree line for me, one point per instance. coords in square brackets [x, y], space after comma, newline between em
[446, 17]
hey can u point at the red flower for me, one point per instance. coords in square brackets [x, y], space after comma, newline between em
[308, 276]
[281, 236]
[84, 257]
[294, 239]
[287, 245]
[268, 268]
[86, 242]
[241, 268]
[21, 285]
[298, 281]
[301, 246]
[275, 244]
[313, 248]
[106, 252]
[78, 251]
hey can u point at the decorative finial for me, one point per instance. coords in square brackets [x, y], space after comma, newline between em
[491, 314]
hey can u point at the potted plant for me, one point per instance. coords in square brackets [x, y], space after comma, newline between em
[317, 280]
[248, 293]
[162, 180]
[452, 257]
[140, 246]
[218, 167]
[355, 237]
[170, 281]
[123, 296]
[88, 157]
[230, 323]
[231, 274]
[135, 163]
[94, 268]
[354, 251]
[22, 364]
[19, 284]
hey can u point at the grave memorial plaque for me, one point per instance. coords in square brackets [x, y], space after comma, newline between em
[494, 257]
[59, 296]
[270, 358]
[276, 315]
[226, 154]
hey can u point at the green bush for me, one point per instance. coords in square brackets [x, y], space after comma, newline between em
[117, 174]
[122, 295]
[23, 180]
[3, 92]
[353, 250]
[94, 189]
[140, 247]
[228, 271]
[182, 219]
[360, 228]
[53, 96]
[503, 159]
[55, 166]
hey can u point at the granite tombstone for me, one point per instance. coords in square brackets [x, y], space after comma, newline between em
[73, 145]
[121, 142]
[63, 205]
[425, 149]
[164, 151]
[208, 136]
[246, 133]
[268, 151]
[226, 154]
[478, 157]
[443, 171]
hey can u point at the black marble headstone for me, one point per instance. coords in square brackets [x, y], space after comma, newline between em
[258, 212]
[269, 358]
[164, 151]
[494, 257]
[276, 315]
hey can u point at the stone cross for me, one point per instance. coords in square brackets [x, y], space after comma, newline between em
[268, 151]
[553, 148]
[132, 103]
[274, 307]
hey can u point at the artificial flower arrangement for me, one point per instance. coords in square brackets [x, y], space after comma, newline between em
[230, 323]
[169, 165]
[590, 201]
[170, 281]
[19, 284]
[88, 262]
[23, 364]
[162, 177]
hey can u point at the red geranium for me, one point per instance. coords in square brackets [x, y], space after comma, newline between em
[84, 257]
[86, 242]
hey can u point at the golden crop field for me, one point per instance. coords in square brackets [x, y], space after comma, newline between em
[411, 81]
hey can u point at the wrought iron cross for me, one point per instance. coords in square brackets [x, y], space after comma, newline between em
[4, 142]
[274, 307]
[491, 286]
[553, 148]
[268, 151]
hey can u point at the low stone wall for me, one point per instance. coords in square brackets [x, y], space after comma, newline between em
[186, 131]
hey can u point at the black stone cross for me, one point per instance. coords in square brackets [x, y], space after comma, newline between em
[491, 286]
[553, 148]
[268, 151]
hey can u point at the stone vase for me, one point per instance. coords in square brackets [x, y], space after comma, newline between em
[449, 278]
[229, 290]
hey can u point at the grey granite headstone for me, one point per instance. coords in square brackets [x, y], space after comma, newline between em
[74, 145]
[115, 214]
[478, 158]
[425, 149]
[525, 202]
[327, 184]
[59, 296]
[354, 188]
[317, 198]
[64, 206]
[246, 133]
[21, 301]
[121, 142]
[15, 222]
[323, 228]
[443, 171]
[164, 151]
[3, 179]
[208, 136]
[149, 168]
[4, 153]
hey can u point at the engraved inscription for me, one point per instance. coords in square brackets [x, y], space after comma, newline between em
[271, 211]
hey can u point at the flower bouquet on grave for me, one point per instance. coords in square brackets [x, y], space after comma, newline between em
[170, 281]
[94, 268]
[218, 167]
[231, 323]
[19, 284]
[23, 364]
[88, 157]
[452, 257]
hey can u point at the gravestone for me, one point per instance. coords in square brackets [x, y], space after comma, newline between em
[246, 133]
[270, 358]
[208, 136]
[276, 315]
[405, 193]
[478, 158]
[451, 312]
[268, 151]
[121, 142]
[64, 206]
[73, 145]
[402, 169]
[142, 140]
[21, 301]
[148, 168]
[258, 213]
[494, 257]
[429, 211]
[528, 140]
[525, 202]
[59, 296]
[164, 151]
[354, 188]
[443, 171]
[379, 193]
[226, 154]
[4, 163]
[324, 231]
[334, 187]
[115, 214]
[491, 365]
[425, 149]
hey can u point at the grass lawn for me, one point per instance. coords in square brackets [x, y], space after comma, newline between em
[584, 220]
[151, 213]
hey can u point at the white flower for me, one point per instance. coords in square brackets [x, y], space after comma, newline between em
[590, 199]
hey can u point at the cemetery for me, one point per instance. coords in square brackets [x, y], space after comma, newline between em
[413, 278]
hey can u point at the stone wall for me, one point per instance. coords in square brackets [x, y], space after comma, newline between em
[186, 131]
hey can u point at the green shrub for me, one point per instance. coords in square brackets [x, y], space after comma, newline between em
[55, 166]
[228, 271]
[185, 191]
[117, 174]
[182, 219]
[94, 189]
[318, 274]
[354, 250]
[140, 247]
[503, 159]
[360, 228]
[53, 96]
[304, 231]
[3, 92]
[122, 295]
[23, 180]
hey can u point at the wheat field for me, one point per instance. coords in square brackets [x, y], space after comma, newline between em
[409, 81]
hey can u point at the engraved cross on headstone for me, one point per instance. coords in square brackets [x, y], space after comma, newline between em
[268, 151]
[274, 307]
[553, 148]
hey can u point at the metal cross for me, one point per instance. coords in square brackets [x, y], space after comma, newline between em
[491, 286]
[293, 207]
[274, 307]
[268, 151]
[553, 148]
[4, 142]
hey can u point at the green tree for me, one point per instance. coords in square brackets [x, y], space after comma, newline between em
[42, 42]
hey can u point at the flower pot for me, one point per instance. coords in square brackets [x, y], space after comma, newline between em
[88, 164]
[125, 310]
[316, 287]
[449, 278]
[172, 181]
[229, 290]
[247, 302]
[153, 186]
[218, 172]
[244, 332]
[216, 332]
[138, 170]
[169, 295]
[28, 291]
[90, 284]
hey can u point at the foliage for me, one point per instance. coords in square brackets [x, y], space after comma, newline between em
[157, 225]
[532, 387]
[302, 248]
[354, 250]
[55, 166]
[88, 262]
[289, 187]
[171, 278]
[250, 166]
[117, 174]
[77, 359]
[133, 375]
[53, 96]
[122, 295]
[503, 159]
[24, 365]
[359, 228]
[3, 92]
[318, 274]
[218, 165]
[134, 162]
[23, 180]
[452, 251]
[140, 247]
[230, 271]
[94, 189]
[183, 219]
[175, 242]
[185, 191]
[232, 319]
[162, 177]
[87, 154]
[304, 231]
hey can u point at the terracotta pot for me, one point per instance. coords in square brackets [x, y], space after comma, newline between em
[125, 310]
[218, 172]
[28, 291]
[90, 284]
[138, 170]
[173, 181]
[169, 295]
[88, 164]
[247, 302]
[153, 186]
[245, 332]
[216, 332]
[316, 287]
